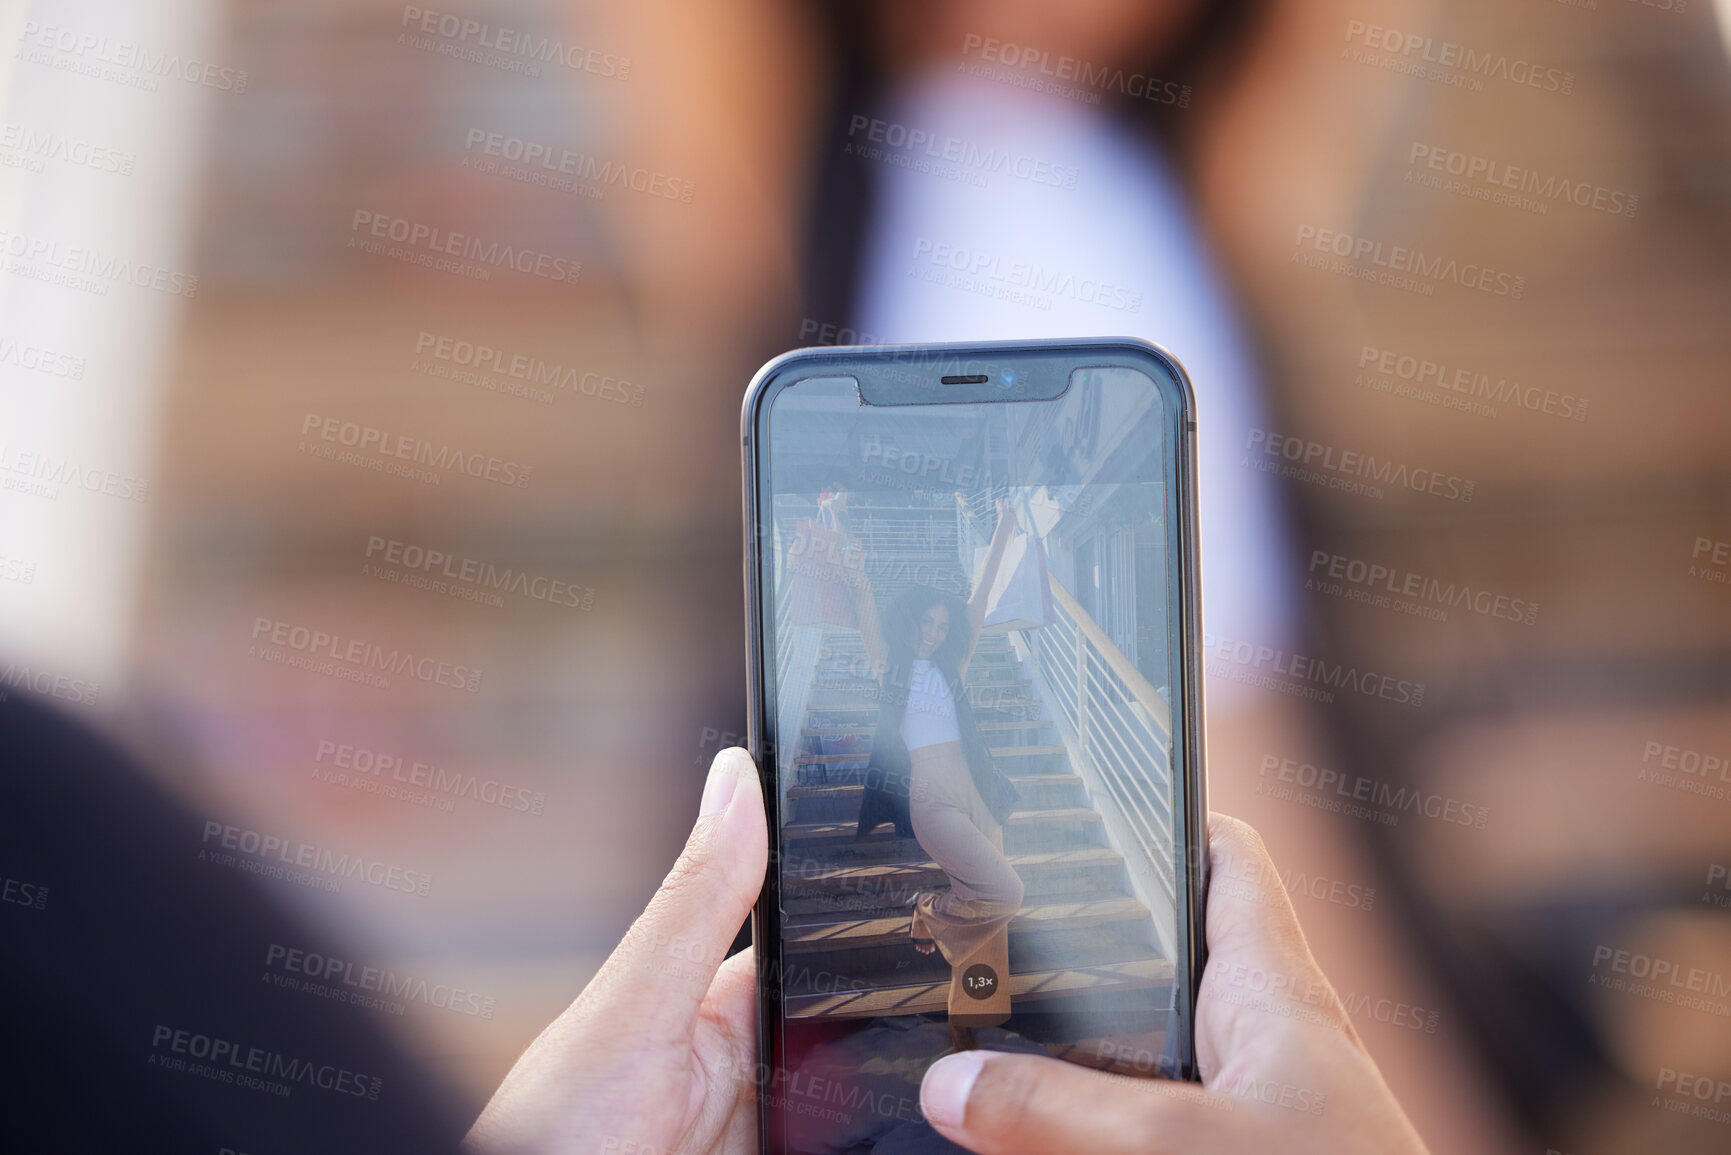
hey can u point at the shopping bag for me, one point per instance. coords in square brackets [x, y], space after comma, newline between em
[820, 585]
[1020, 598]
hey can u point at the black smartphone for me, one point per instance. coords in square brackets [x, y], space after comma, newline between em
[974, 644]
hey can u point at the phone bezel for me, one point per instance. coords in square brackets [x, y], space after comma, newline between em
[853, 360]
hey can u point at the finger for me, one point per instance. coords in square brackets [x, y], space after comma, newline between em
[1258, 956]
[730, 1011]
[1004, 1104]
[658, 975]
[732, 998]
[1248, 907]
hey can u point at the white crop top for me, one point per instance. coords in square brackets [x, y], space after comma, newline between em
[931, 716]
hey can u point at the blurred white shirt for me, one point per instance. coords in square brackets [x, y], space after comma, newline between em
[1081, 197]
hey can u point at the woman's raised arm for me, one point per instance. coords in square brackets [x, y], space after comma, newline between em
[982, 590]
[865, 606]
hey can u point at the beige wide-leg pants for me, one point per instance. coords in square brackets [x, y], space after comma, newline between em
[970, 921]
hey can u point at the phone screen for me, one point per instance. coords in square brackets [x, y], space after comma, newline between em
[975, 685]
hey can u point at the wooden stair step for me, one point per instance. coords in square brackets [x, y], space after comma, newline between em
[1028, 780]
[841, 708]
[994, 644]
[879, 872]
[932, 997]
[822, 933]
[863, 730]
[818, 887]
[870, 686]
[994, 751]
[827, 830]
[853, 685]
[842, 657]
[847, 638]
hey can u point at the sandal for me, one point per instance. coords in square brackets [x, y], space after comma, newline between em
[923, 945]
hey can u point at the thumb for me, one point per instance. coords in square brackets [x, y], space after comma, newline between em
[1005, 1104]
[661, 970]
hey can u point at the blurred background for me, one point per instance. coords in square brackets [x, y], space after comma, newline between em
[424, 330]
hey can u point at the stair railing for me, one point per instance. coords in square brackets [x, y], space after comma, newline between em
[797, 650]
[1114, 725]
[901, 530]
[1118, 732]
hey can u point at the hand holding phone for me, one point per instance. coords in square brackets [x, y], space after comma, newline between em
[655, 1060]
[1282, 1066]
[657, 1055]
[1001, 763]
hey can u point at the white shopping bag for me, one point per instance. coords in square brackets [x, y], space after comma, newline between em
[1019, 599]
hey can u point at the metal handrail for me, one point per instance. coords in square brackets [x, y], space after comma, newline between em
[899, 534]
[796, 658]
[1135, 683]
[1116, 726]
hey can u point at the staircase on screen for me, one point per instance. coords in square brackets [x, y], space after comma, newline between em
[1082, 942]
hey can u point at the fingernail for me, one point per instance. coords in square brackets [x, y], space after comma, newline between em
[718, 787]
[944, 1094]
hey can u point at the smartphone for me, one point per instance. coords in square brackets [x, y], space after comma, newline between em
[975, 691]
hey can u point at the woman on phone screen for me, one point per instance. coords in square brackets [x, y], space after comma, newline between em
[927, 743]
